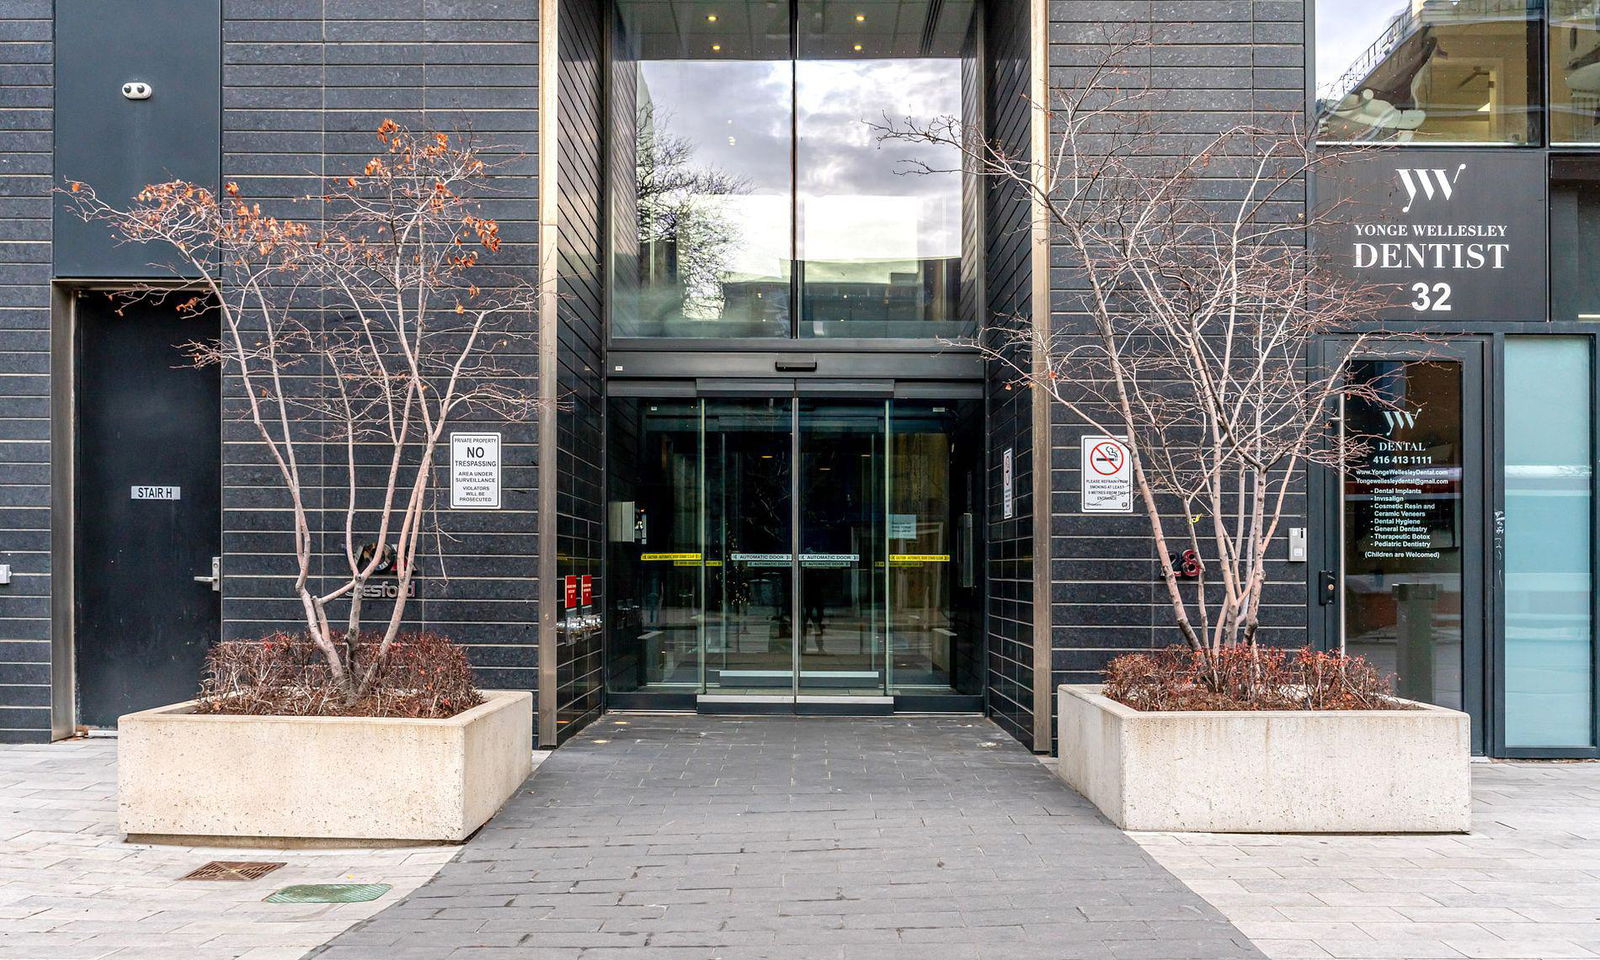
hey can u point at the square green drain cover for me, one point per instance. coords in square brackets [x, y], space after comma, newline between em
[330, 893]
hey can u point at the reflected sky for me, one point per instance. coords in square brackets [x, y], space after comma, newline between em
[1345, 29]
[857, 198]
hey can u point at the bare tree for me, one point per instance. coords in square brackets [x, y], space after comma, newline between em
[359, 336]
[1190, 325]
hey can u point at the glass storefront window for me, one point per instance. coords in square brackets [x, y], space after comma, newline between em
[1549, 551]
[1574, 52]
[1429, 71]
[880, 227]
[701, 219]
[654, 557]
[1574, 238]
[932, 547]
[749, 174]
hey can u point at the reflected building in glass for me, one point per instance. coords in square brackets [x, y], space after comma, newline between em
[763, 200]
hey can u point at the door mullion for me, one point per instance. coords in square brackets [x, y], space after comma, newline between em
[795, 626]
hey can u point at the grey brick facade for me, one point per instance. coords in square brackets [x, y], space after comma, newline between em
[26, 124]
[1210, 65]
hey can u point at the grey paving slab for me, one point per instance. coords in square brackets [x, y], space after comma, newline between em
[691, 838]
[1525, 883]
[71, 888]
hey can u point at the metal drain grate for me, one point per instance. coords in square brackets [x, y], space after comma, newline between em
[232, 870]
[330, 893]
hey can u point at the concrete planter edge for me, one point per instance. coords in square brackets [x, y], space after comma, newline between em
[377, 779]
[1269, 771]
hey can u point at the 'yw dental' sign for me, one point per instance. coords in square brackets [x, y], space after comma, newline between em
[1460, 235]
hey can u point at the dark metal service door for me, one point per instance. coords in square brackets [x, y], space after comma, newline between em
[147, 491]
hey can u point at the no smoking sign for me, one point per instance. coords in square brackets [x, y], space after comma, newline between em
[1106, 476]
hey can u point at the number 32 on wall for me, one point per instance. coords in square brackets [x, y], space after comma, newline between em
[1435, 296]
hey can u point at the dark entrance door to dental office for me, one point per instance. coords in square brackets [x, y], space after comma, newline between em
[1402, 579]
[147, 501]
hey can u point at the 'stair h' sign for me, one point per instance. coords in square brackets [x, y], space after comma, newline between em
[148, 492]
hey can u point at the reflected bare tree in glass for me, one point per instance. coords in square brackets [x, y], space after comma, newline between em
[683, 227]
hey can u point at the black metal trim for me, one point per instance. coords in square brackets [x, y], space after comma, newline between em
[844, 707]
[642, 700]
[743, 387]
[659, 365]
[746, 708]
[938, 703]
[744, 345]
[845, 388]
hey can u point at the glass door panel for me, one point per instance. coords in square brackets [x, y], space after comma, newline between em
[841, 561]
[654, 552]
[749, 557]
[1548, 484]
[932, 548]
[1408, 527]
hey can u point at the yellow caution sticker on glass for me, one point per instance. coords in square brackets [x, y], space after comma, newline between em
[919, 558]
[669, 556]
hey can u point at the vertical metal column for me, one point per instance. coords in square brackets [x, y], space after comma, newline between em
[887, 550]
[549, 327]
[795, 614]
[1039, 313]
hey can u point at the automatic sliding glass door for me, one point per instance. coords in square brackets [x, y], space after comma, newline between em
[842, 569]
[749, 537]
[793, 546]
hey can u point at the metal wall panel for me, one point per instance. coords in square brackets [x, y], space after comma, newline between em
[117, 144]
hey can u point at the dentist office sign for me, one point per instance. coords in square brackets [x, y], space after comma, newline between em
[1458, 234]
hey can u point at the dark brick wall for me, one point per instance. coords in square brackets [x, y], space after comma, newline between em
[25, 176]
[580, 456]
[305, 84]
[1008, 284]
[1212, 64]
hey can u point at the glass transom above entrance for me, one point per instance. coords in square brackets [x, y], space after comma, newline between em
[753, 194]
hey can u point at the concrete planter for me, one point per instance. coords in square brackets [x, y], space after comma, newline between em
[1277, 771]
[185, 775]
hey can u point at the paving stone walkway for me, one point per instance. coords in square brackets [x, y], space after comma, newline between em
[71, 889]
[1524, 884]
[687, 838]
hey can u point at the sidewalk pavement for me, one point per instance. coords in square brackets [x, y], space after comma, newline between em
[71, 889]
[684, 837]
[1524, 884]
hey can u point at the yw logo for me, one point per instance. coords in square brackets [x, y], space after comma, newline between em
[1428, 183]
[1395, 419]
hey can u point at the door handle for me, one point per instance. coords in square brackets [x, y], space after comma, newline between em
[1327, 587]
[216, 575]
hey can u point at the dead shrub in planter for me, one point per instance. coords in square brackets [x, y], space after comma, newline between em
[423, 675]
[1247, 677]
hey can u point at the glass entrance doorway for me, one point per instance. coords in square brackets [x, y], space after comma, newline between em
[794, 547]
[1408, 555]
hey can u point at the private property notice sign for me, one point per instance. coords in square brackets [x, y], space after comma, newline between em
[1107, 476]
[475, 471]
